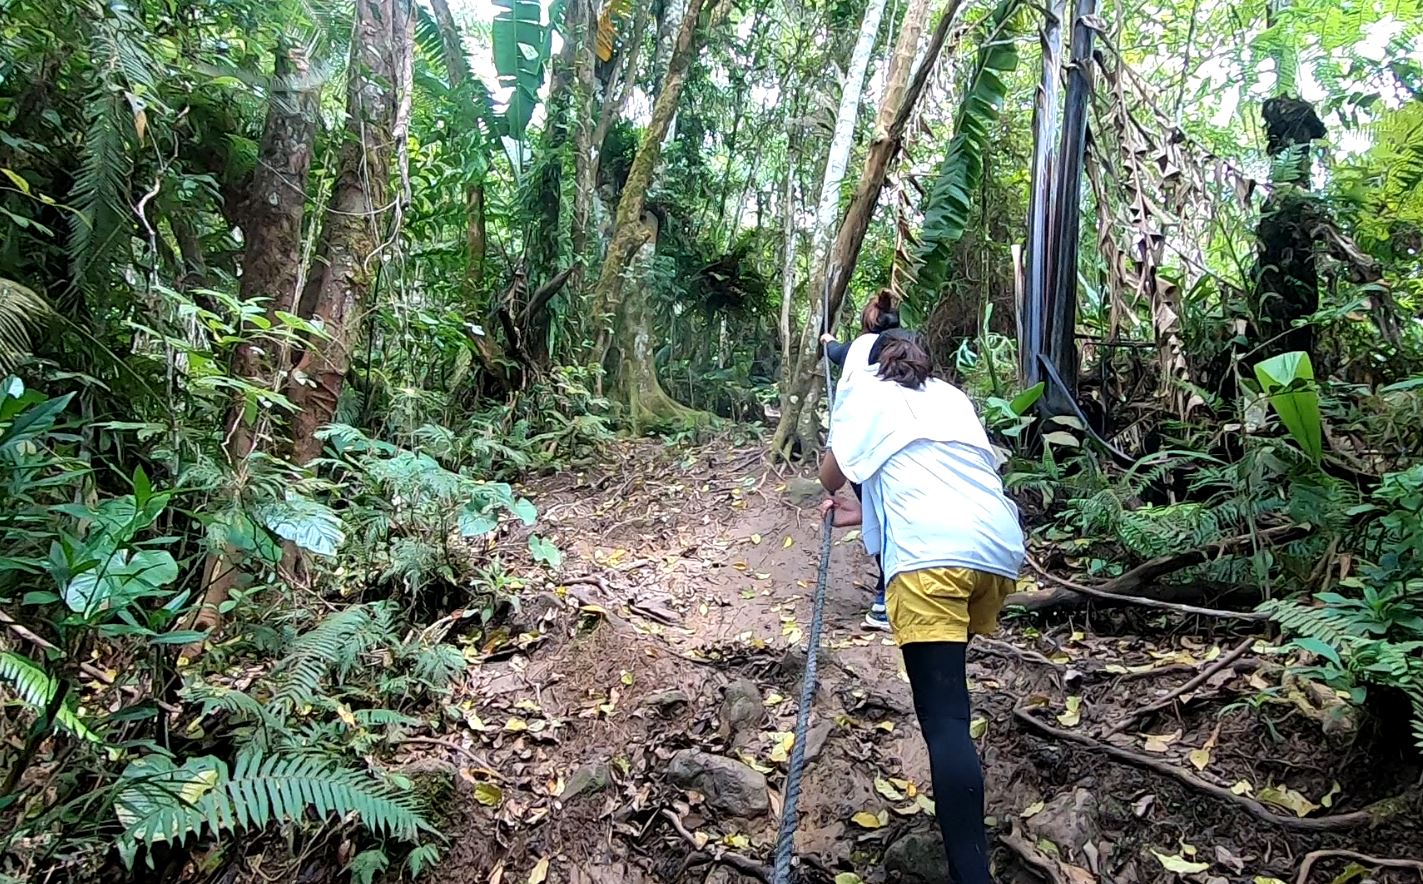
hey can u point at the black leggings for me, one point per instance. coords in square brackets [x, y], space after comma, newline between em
[940, 683]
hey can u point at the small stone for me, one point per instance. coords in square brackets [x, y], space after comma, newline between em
[728, 785]
[1069, 820]
[804, 492]
[917, 858]
[666, 702]
[593, 777]
[815, 740]
[792, 663]
[741, 708]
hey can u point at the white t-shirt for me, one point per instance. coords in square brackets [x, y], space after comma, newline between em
[931, 493]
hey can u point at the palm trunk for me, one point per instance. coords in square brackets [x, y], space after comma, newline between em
[1033, 311]
[359, 206]
[272, 214]
[1061, 325]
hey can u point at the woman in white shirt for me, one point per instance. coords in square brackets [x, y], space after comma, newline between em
[949, 542]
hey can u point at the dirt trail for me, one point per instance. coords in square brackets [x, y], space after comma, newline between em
[669, 641]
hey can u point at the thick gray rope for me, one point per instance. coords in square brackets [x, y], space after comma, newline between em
[785, 843]
[785, 839]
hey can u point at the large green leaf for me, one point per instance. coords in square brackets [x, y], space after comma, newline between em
[313, 526]
[1288, 379]
[521, 50]
[948, 204]
[120, 580]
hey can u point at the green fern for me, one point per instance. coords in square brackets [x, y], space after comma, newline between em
[162, 802]
[337, 642]
[21, 311]
[38, 689]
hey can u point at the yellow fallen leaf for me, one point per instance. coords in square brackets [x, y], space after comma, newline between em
[850, 536]
[756, 539]
[977, 728]
[343, 712]
[516, 725]
[925, 802]
[1073, 715]
[1179, 865]
[848, 878]
[737, 841]
[1266, 879]
[781, 751]
[488, 794]
[540, 873]
[1161, 742]
[787, 543]
[866, 820]
[1328, 799]
[1242, 787]
[1033, 809]
[626, 678]
[1283, 796]
[883, 787]
[1199, 758]
[886, 726]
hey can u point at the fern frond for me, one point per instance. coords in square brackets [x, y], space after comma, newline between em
[101, 186]
[1325, 623]
[37, 689]
[339, 639]
[166, 803]
[21, 312]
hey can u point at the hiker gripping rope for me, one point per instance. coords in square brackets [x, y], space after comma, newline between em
[950, 544]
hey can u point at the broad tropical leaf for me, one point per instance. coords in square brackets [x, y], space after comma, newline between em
[521, 49]
[311, 525]
[948, 203]
[1288, 379]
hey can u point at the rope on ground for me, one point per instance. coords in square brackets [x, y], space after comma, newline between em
[785, 840]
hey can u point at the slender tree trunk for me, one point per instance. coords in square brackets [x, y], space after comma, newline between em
[634, 375]
[476, 234]
[1033, 311]
[832, 279]
[359, 206]
[1061, 326]
[272, 213]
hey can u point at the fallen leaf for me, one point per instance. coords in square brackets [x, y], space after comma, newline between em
[1265, 879]
[1242, 787]
[540, 872]
[488, 794]
[1033, 809]
[848, 878]
[1283, 796]
[1073, 716]
[1161, 742]
[1328, 799]
[516, 725]
[1143, 805]
[497, 876]
[977, 728]
[781, 751]
[866, 820]
[883, 787]
[788, 542]
[925, 802]
[756, 539]
[886, 726]
[1179, 865]
[1225, 857]
[850, 536]
[773, 699]
[1199, 758]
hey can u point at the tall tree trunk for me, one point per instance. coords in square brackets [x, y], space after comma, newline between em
[1061, 316]
[832, 270]
[272, 213]
[359, 206]
[634, 374]
[1033, 310]
[476, 234]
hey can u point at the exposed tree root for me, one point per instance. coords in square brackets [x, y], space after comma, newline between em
[743, 864]
[1371, 815]
[1311, 858]
[1204, 676]
[1121, 589]
[1048, 869]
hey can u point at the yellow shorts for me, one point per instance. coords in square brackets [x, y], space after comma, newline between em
[945, 604]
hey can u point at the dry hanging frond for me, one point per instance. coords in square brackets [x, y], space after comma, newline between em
[21, 312]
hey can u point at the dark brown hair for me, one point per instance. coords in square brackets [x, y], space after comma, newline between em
[880, 314]
[902, 357]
